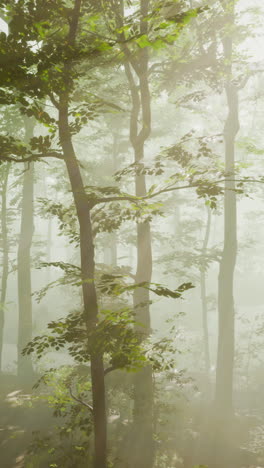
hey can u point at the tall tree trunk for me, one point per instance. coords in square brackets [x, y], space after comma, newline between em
[5, 248]
[226, 315]
[24, 363]
[204, 298]
[83, 210]
[143, 446]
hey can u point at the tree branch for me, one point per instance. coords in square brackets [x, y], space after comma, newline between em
[35, 157]
[110, 369]
[134, 199]
[81, 401]
[54, 101]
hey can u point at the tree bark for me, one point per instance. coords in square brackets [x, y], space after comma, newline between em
[226, 313]
[24, 363]
[5, 248]
[83, 210]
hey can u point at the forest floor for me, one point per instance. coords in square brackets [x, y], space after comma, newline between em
[18, 421]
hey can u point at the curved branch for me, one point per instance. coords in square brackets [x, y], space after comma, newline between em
[53, 100]
[110, 369]
[81, 401]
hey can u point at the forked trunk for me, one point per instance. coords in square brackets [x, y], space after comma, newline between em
[137, 71]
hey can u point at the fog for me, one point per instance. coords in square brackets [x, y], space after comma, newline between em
[131, 245]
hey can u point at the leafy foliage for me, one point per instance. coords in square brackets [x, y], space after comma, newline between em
[69, 442]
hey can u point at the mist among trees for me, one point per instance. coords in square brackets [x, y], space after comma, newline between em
[131, 240]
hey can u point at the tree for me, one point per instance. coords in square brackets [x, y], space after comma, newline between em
[24, 364]
[83, 209]
[58, 54]
[29, 23]
[137, 72]
[226, 317]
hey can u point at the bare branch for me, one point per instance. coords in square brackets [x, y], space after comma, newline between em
[81, 401]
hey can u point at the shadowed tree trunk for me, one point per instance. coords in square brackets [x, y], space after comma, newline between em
[24, 363]
[88, 287]
[5, 249]
[226, 314]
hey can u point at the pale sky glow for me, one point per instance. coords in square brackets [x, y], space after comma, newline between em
[3, 26]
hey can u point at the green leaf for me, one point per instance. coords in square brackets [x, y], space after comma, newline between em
[143, 41]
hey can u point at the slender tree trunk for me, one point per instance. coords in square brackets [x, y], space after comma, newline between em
[83, 210]
[143, 388]
[226, 314]
[24, 363]
[5, 248]
[204, 298]
[143, 446]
